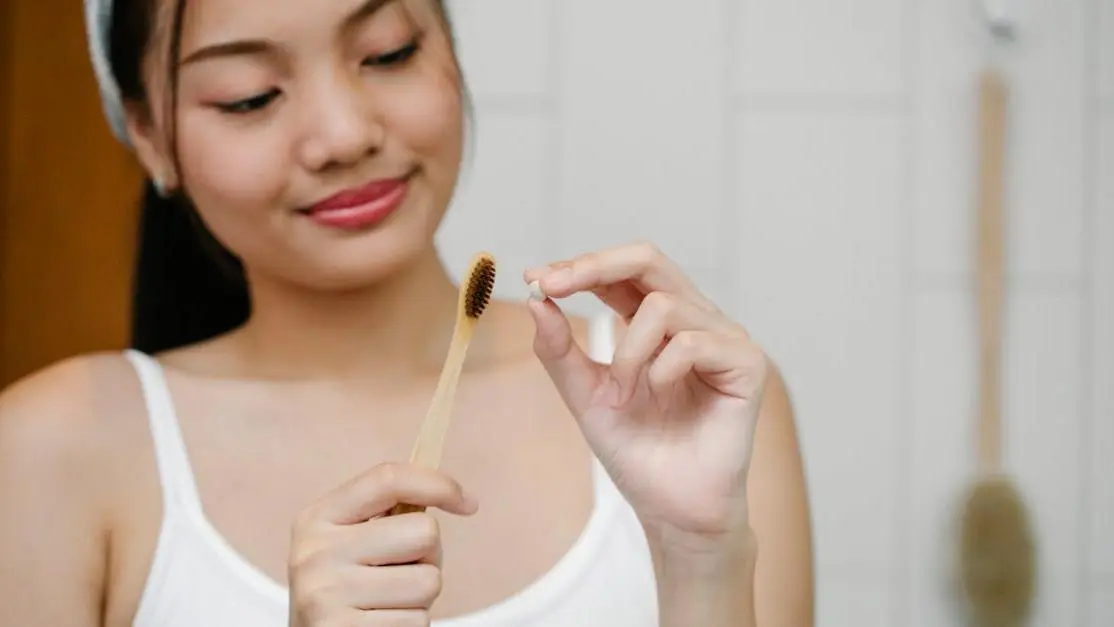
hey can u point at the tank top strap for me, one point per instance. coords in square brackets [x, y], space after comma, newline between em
[601, 337]
[175, 473]
[601, 349]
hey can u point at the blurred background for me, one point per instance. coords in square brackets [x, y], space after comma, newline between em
[812, 163]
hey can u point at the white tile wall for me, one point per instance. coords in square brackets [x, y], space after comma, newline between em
[507, 63]
[1101, 433]
[854, 599]
[502, 200]
[1048, 74]
[1104, 44]
[941, 449]
[1101, 610]
[641, 109]
[811, 163]
[820, 48]
[818, 241]
[1045, 447]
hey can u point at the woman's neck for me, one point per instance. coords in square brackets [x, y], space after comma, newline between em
[398, 328]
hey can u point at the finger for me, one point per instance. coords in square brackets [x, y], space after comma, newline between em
[731, 365]
[372, 493]
[660, 317]
[622, 298]
[404, 539]
[410, 586]
[577, 378]
[642, 265]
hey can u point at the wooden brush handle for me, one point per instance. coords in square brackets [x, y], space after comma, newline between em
[993, 96]
[405, 508]
[431, 439]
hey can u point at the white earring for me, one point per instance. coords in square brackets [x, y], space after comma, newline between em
[160, 187]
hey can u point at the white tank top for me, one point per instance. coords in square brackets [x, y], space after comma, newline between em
[197, 578]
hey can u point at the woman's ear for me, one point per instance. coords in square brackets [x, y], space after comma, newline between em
[150, 143]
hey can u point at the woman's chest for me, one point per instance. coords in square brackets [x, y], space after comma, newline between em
[257, 463]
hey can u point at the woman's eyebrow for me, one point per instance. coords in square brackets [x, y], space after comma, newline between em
[250, 47]
[237, 48]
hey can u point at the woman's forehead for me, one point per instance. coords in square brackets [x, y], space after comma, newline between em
[209, 21]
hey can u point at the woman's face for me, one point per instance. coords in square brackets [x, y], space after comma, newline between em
[319, 141]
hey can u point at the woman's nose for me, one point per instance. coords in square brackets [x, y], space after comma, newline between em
[340, 124]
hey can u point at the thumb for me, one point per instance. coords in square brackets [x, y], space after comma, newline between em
[578, 379]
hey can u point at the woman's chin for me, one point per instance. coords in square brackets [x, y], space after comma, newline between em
[365, 264]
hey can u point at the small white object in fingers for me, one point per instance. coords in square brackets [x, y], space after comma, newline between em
[536, 292]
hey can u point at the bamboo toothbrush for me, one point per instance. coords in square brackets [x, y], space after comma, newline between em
[996, 545]
[475, 294]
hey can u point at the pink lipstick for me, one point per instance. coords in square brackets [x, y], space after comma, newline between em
[361, 207]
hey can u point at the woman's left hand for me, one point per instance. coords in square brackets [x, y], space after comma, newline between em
[672, 418]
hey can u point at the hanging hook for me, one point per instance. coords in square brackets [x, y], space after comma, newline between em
[998, 21]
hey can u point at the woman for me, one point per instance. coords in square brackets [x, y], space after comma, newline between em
[239, 476]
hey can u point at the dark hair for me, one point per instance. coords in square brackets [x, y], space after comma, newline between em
[187, 287]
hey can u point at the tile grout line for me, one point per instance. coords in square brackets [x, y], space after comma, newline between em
[817, 102]
[1086, 301]
[1018, 285]
[516, 103]
[557, 27]
[901, 609]
[732, 222]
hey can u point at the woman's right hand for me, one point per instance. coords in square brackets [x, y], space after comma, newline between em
[350, 564]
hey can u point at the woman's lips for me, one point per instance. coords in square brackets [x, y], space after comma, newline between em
[361, 207]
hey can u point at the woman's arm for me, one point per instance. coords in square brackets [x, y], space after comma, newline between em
[780, 516]
[766, 579]
[52, 536]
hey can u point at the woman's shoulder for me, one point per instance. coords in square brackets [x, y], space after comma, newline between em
[67, 463]
[71, 417]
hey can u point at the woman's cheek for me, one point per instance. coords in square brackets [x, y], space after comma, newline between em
[237, 181]
[234, 166]
[424, 113]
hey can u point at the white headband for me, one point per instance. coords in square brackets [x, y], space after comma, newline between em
[98, 24]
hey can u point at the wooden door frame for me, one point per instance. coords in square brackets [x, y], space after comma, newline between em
[7, 70]
[65, 278]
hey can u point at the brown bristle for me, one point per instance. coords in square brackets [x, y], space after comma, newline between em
[480, 286]
[998, 566]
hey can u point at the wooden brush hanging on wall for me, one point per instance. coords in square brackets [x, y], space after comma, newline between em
[997, 555]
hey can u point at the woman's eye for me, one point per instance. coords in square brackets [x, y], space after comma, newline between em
[248, 105]
[260, 101]
[396, 57]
